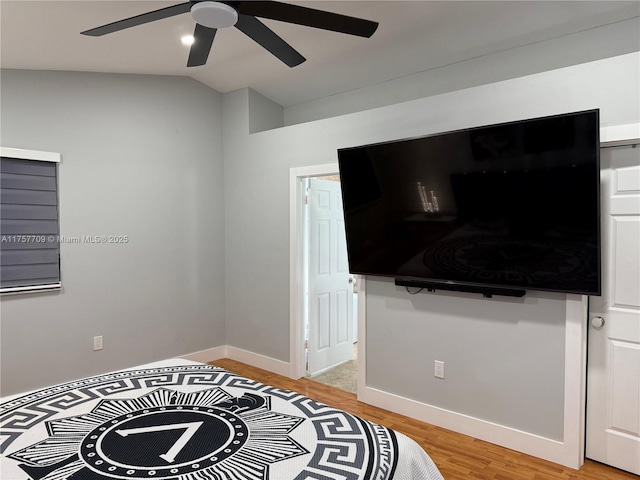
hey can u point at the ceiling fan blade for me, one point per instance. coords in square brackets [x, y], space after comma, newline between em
[203, 39]
[139, 20]
[260, 33]
[309, 17]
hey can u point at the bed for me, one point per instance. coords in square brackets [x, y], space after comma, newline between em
[183, 420]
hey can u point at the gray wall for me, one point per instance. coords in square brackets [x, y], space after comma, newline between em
[263, 113]
[256, 277]
[505, 366]
[142, 157]
[257, 169]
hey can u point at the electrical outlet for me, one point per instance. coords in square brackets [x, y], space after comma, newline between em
[438, 369]
[97, 343]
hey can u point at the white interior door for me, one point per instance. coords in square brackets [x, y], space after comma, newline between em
[613, 371]
[330, 284]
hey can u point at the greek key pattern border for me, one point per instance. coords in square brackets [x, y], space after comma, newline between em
[347, 447]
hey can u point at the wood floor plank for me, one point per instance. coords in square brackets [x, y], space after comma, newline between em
[459, 457]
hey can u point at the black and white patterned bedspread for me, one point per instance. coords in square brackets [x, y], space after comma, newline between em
[183, 420]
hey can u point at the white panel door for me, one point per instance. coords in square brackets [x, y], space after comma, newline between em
[330, 284]
[613, 371]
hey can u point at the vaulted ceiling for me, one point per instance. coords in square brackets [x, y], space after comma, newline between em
[413, 36]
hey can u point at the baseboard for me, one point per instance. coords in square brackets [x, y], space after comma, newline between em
[259, 361]
[239, 355]
[545, 448]
[208, 355]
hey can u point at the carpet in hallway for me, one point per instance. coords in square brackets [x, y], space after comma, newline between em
[344, 376]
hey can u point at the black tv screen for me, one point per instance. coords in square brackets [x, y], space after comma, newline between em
[512, 205]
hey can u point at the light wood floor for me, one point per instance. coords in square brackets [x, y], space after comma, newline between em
[458, 457]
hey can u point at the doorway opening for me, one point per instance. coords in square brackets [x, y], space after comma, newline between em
[330, 291]
[327, 302]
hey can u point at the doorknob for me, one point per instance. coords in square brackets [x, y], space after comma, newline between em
[597, 322]
[350, 279]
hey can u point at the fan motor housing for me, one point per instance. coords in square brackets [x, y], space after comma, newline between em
[214, 14]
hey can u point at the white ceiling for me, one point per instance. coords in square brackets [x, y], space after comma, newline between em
[413, 36]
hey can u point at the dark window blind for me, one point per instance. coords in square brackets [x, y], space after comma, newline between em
[29, 228]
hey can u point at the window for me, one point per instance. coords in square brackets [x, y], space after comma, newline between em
[29, 226]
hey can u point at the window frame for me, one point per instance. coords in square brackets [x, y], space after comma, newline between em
[40, 156]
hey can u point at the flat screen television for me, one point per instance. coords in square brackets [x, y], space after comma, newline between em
[513, 206]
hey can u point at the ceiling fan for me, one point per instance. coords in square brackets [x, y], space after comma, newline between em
[211, 15]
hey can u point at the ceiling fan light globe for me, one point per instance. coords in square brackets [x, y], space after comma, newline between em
[214, 14]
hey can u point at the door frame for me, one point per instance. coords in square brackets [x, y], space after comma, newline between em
[296, 271]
